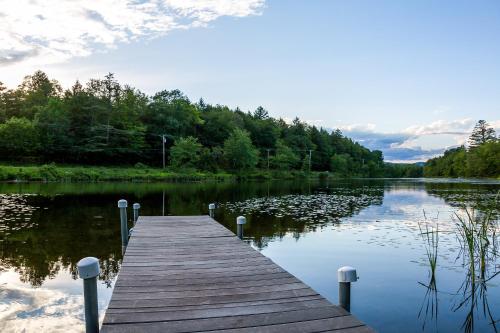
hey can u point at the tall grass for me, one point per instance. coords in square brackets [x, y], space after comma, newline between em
[477, 234]
[430, 235]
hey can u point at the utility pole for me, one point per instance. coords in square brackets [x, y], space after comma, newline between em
[163, 142]
[268, 159]
[310, 155]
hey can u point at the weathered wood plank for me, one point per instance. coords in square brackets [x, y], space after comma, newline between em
[229, 322]
[203, 285]
[337, 324]
[219, 305]
[191, 274]
[168, 315]
[142, 303]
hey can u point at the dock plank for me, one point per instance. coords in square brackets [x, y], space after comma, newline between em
[191, 274]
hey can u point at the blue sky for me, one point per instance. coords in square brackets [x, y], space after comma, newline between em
[407, 77]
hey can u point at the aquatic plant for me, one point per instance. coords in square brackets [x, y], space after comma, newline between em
[477, 234]
[430, 234]
[313, 208]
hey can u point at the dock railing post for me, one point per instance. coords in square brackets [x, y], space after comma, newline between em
[88, 270]
[346, 275]
[136, 207]
[240, 221]
[211, 210]
[122, 204]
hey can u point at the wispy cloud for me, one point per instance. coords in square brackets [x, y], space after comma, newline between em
[42, 32]
[455, 127]
[414, 143]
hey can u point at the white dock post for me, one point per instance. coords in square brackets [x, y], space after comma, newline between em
[346, 275]
[136, 207]
[211, 210]
[122, 204]
[88, 270]
[240, 221]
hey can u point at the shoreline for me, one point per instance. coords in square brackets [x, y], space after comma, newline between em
[51, 173]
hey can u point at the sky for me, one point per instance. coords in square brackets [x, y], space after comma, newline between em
[410, 78]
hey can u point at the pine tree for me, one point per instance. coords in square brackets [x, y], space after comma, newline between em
[481, 134]
[261, 113]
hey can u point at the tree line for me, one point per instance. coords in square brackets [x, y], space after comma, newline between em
[104, 122]
[480, 159]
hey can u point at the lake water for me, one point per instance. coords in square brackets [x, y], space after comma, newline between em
[310, 229]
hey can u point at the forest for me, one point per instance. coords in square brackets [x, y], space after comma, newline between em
[104, 122]
[480, 159]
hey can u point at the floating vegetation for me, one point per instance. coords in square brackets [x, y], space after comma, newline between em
[15, 212]
[315, 208]
[479, 199]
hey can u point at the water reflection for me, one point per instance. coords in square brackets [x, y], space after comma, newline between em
[309, 228]
[301, 213]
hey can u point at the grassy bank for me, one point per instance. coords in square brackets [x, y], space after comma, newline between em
[56, 173]
[53, 173]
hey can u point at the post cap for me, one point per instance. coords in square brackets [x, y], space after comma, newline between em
[241, 220]
[136, 206]
[88, 267]
[211, 206]
[347, 274]
[122, 203]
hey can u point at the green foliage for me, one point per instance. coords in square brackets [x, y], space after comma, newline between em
[18, 137]
[484, 161]
[211, 159]
[400, 170]
[285, 158]
[185, 153]
[140, 165]
[481, 134]
[103, 122]
[239, 151]
[51, 172]
[480, 161]
[341, 164]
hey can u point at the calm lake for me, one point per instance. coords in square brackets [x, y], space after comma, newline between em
[310, 229]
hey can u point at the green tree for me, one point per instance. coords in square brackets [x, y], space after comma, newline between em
[481, 134]
[239, 151]
[104, 122]
[18, 138]
[484, 161]
[217, 124]
[170, 113]
[285, 158]
[211, 159]
[53, 124]
[260, 113]
[341, 164]
[36, 91]
[3, 111]
[185, 153]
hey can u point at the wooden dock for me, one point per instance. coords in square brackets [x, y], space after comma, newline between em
[191, 274]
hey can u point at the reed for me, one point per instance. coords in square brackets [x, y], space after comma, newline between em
[430, 235]
[477, 232]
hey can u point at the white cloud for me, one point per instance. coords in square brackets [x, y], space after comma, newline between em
[415, 143]
[358, 127]
[39, 32]
[461, 126]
